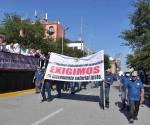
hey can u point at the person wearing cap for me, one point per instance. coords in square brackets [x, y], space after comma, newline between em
[107, 82]
[135, 95]
[124, 79]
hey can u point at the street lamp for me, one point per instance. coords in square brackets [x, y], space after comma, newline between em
[62, 42]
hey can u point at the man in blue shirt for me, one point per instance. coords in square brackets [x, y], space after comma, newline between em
[135, 95]
[107, 82]
[37, 79]
[124, 79]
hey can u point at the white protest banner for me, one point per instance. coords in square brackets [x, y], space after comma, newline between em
[64, 68]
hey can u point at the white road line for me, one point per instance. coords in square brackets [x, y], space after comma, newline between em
[47, 117]
[90, 93]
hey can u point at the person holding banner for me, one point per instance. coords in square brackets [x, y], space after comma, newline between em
[105, 88]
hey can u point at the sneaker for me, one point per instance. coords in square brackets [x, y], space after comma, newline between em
[107, 105]
[135, 118]
[131, 120]
[102, 106]
[36, 92]
[58, 96]
[43, 100]
[49, 99]
[72, 93]
[122, 109]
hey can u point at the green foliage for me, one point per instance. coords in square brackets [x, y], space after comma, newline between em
[11, 26]
[138, 37]
[106, 62]
[33, 33]
[33, 36]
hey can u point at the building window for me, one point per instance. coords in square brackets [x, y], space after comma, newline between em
[51, 30]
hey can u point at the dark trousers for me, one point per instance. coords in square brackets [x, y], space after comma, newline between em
[134, 108]
[59, 86]
[72, 87]
[123, 93]
[46, 87]
[65, 86]
[123, 103]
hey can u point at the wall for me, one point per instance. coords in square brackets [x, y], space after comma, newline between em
[11, 81]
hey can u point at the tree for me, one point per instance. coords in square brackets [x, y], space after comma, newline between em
[11, 26]
[138, 36]
[33, 33]
[33, 36]
[106, 62]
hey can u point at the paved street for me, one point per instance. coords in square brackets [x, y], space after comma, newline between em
[80, 109]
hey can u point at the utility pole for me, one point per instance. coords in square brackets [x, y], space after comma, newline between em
[81, 35]
[62, 42]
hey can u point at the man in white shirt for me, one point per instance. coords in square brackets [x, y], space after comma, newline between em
[10, 48]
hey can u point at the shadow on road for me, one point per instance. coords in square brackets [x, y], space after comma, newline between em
[125, 112]
[79, 97]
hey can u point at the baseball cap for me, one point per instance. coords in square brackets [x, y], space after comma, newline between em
[126, 70]
[134, 73]
[131, 69]
[108, 70]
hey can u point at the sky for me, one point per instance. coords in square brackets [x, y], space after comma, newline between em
[103, 20]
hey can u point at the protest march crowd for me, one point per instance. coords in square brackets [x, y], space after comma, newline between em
[131, 88]
[131, 81]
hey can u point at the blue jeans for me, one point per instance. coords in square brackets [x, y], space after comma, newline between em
[107, 89]
[46, 87]
[59, 86]
[123, 96]
[83, 85]
[134, 108]
[37, 85]
[72, 87]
